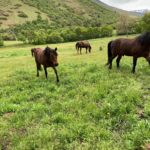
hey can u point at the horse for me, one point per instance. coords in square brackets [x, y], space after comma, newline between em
[83, 44]
[46, 57]
[136, 47]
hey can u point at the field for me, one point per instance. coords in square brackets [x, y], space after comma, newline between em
[92, 108]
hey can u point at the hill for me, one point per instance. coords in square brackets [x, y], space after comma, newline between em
[57, 12]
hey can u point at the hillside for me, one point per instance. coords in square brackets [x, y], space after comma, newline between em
[58, 12]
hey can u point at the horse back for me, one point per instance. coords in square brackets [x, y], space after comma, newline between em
[123, 46]
[84, 44]
[39, 55]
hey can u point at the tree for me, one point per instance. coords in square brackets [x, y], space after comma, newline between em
[54, 38]
[123, 25]
[106, 31]
[145, 22]
[1, 42]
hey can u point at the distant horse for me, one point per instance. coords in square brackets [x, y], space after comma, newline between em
[46, 57]
[83, 44]
[137, 47]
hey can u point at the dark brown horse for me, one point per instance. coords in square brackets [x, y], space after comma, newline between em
[46, 57]
[83, 44]
[137, 47]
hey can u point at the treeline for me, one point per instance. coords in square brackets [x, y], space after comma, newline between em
[41, 32]
[43, 36]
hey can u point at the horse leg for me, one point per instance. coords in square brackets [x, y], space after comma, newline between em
[38, 66]
[80, 50]
[77, 50]
[45, 69]
[37, 72]
[86, 50]
[134, 64]
[110, 61]
[118, 61]
[56, 74]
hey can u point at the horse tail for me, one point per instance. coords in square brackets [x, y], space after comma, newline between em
[90, 48]
[32, 52]
[109, 52]
[77, 46]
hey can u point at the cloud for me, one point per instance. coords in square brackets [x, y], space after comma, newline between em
[129, 4]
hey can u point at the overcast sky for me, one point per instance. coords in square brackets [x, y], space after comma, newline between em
[129, 4]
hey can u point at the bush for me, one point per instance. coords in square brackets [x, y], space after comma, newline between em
[1, 42]
[8, 37]
[106, 31]
[55, 38]
[3, 18]
[145, 22]
[22, 14]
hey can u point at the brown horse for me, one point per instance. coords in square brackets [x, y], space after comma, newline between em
[83, 44]
[46, 57]
[137, 47]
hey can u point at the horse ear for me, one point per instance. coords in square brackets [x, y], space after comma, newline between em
[56, 49]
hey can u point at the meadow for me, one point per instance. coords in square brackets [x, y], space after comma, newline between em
[92, 108]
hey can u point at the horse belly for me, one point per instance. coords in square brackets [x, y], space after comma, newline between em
[128, 52]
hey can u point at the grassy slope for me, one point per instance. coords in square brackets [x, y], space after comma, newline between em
[66, 12]
[9, 8]
[91, 108]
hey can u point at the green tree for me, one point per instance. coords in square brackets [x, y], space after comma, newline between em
[1, 42]
[106, 31]
[123, 25]
[145, 22]
[54, 38]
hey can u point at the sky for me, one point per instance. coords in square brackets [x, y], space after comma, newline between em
[129, 4]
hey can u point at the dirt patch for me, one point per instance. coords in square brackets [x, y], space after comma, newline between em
[8, 115]
[147, 146]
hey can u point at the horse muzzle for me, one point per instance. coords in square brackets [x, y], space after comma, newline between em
[56, 64]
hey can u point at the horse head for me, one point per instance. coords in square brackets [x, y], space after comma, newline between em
[51, 56]
[32, 51]
[148, 57]
[144, 39]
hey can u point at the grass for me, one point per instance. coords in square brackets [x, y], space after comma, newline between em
[91, 108]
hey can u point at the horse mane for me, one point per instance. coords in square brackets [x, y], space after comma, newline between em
[144, 39]
[47, 52]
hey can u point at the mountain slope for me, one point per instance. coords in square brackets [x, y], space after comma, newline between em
[59, 13]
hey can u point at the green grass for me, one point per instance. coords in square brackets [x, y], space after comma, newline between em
[91, 108]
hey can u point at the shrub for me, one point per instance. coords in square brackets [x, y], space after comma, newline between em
[106, 31]
[1, 42]
[145, 22]
[18, 5]
[37, 37]
[3, 18]
[55, 38]
[8, 37]
[22, 14]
